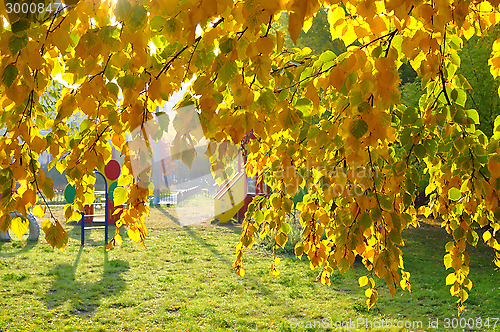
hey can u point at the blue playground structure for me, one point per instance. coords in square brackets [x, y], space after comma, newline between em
[111, 172]
[105, 215]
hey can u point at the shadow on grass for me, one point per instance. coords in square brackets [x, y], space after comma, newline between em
[252, 282]
[195, 236]
[76, 231]
[84, 296]
[234, 228]
[166, 213]
[28, 245]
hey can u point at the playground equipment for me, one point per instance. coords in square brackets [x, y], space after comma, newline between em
[111, 172]
[231, 197]
[34, 227]
[235, 195]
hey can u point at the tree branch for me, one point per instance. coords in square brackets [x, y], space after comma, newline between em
[197, 40]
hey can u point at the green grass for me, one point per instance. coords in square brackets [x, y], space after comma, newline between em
[183, 282]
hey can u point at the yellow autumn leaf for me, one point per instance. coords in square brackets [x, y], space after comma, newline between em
[118, 239]
[307, 24]
[451, 278]
[335, 14]
[39, 210]
[19, 226]
[295, 23]
[265, 45]
[363, 281]
[134, 234]
[55, 235]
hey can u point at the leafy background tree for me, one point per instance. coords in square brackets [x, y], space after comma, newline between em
[317, 38]
[483, 95]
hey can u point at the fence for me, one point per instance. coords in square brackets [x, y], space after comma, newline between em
[59, 200]
[164, 197]
[186, 193]
[175, 198]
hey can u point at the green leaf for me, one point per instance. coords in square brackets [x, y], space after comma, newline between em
[5, 222]
[304, 105]
[375, 213]
[267, 99]
[259, 217]
[458, 233]
[188, 153]
[377, 51]
[122, 10]
[327, 56]
[9, 75]
[455, 59]
[395, 237]
[290, 119]
[396, 221]
[409, 116]
[456, 42]
[472, 237]
[430, 146]
[473, 115]
[415, 177]
[89, 39]
[420, 151]
[113, 88]
[228, 71]
[356, 97]
[157, 23]
[454, 194]
[343, 265]
[459, 143]
[128, 81]
[285, 228]
[299, 249]
[246, 240]
[281, 239]
[109, 35]
[365, 221]
[20, 26]
[163, 120]
[385, 202]
[227, 45]
[17, 43]
[138, 17]
[461, 97]
[359, 128]
[364, 107]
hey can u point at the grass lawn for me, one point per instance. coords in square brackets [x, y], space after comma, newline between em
[183, 282]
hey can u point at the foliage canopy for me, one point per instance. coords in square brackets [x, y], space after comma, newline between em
[330, 123]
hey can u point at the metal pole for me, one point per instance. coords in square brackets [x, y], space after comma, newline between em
[83, 229]
[106, 218]
[106, 207]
